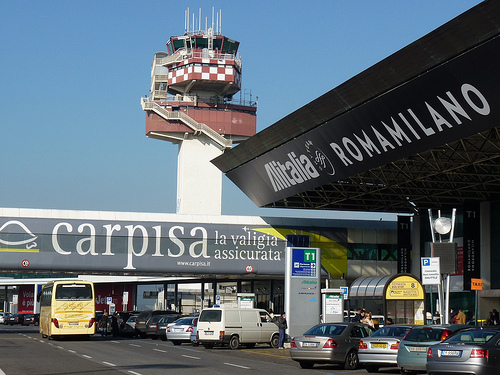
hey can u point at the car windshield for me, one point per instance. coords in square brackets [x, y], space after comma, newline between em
[425, 334]
[325, 330]
[390, 331]
[473, 337]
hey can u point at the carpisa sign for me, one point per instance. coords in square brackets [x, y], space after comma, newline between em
[455, 100]
[138, 247]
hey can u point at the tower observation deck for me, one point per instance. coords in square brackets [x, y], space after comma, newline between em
[192, 103]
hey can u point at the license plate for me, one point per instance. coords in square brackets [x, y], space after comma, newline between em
[379, 346]
[309, 344]
[450, 353]
[73, 324]
[418, 349]
[209, 333]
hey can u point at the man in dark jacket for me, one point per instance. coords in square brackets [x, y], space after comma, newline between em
[282, 326]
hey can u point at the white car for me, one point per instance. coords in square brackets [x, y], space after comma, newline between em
[3, 317]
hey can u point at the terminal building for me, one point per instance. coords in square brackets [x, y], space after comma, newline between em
[417, 131]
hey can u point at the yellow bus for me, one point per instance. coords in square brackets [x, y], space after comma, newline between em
[67, 308]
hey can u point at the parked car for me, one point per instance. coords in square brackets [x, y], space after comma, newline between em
[381, 348]
[144, 316]
[161, 326]
[15, 319]
[412, 352]
[31, 319]
[180, 331]
[472, 351]
[3, 317]
[330, 343]
[152, 325]
[127, 328]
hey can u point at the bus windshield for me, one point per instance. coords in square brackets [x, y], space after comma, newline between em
[74, 291]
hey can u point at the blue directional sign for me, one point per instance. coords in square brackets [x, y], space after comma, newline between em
[304, 262]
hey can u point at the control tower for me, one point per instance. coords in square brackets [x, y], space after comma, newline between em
[192, 104]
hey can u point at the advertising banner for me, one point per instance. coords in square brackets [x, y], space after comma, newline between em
[160, 247]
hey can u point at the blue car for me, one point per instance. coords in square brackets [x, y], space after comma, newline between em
[412, 352]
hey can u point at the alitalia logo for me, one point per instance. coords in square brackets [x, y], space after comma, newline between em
[292, 171]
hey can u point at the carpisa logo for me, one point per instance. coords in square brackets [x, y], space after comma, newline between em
[295, 170]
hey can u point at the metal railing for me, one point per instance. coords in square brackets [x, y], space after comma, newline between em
[198, 127]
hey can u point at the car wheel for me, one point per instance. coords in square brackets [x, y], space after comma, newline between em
[275, 341]
[163, 338]
[234, 343]
[304, 364]
[372, 368]
[208, 346]
[351, 361]
[154, 337]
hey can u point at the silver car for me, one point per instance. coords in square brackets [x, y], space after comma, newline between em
[473, 351]
[412, 352]
[180, 331]
[381, 348]
[330, 343]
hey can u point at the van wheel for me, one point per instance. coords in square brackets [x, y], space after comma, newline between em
[275, 341]
[234, 343]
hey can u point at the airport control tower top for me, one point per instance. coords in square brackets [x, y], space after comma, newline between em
[198, 76]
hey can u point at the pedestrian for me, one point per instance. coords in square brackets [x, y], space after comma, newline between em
[388, 321]
[495, 319]
[461, 318]
[453, 316]
[114, 324]
[357, 316]
[368, 320]
[271, 314]
[103, 323]
[282, 326]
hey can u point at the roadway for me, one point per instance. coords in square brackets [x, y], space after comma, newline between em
[23, 351]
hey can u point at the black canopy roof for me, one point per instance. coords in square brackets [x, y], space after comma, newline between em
[454, 66]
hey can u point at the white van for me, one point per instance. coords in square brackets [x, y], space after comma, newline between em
[235, 326]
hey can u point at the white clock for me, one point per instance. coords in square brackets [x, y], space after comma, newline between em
[442, 225]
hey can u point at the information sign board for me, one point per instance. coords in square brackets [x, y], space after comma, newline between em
[431, 271]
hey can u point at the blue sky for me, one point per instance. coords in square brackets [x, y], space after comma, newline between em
[73, 72]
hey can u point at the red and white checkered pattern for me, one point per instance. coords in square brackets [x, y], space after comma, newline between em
[204, 69]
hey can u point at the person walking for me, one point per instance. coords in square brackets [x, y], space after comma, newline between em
[103, 323]
[461, 318]
[115, 329]
[282, 326]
